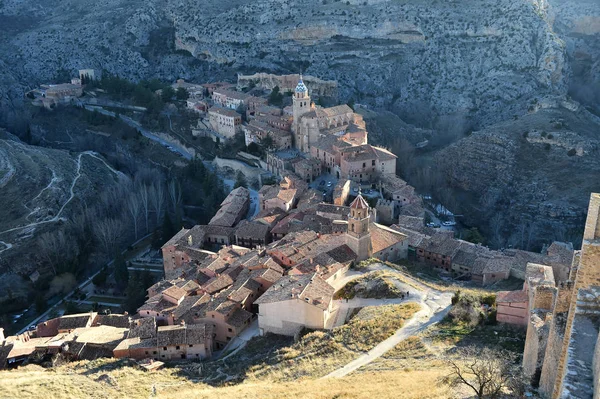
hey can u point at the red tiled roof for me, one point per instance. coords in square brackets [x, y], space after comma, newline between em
[359, 203]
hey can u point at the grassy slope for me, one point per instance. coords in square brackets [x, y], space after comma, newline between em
[95, 381]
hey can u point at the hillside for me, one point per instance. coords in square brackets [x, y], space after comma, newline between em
[526, 181]
[39, 188]
[111, 379]
[481, 60]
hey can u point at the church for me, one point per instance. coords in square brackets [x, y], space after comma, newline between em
[312, 122]
[338, 138]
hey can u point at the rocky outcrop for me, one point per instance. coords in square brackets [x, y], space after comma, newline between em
[527, 180]
[268, 81]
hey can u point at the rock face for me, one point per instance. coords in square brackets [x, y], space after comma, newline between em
[482, 59]
[528, 180]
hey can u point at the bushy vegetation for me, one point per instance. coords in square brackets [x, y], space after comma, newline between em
[377, 284]
[473, 309]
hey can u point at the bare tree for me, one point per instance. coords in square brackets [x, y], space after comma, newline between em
[57, 248]
[175, 194]
[496, 226]
[107, 233]
[145, 200]
[157, 199]
[487, 372]
[134, 206]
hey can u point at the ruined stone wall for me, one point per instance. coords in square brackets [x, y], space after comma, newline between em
[597, 369]
[554, 355]
[588, 275]
[543, 297]
[592, 223]
[267, 81]
[535, 346]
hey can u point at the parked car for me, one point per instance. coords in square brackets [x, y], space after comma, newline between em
[449, 223]
[329, 184]
[430, 224]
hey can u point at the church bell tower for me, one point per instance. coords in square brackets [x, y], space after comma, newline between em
[300, 106]
[358, 237]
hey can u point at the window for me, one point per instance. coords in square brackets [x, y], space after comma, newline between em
[177, 347]
[212, 315]
[164, 348]
[191, 346]
[230, 330]
[163, 355]
[228, 338]
[364, 164]
[146, 352]
[154, 352]
[373, 163]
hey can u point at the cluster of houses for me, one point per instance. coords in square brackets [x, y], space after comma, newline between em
[304, 138]
[281, 267]
[51, 95]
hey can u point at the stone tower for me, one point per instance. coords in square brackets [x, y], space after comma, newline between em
[358, 237]
[572, 355]
[300, 106]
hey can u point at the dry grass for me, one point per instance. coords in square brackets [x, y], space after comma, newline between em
[373, 324]
[98, 379]
[128, 382]
[388, 385]
[321, 352]
[378, 284]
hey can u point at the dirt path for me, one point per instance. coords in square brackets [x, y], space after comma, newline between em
[71, 193]
[434, 307]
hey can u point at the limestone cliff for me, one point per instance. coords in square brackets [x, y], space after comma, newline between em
[527, 181]
[484, 59]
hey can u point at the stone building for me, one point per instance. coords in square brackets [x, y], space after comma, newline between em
[226, 122]
[293, 303]
[562, 348]
[230, 98]
[385, 211]
[358, 237]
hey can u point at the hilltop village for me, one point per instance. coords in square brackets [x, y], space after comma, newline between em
[270, 261]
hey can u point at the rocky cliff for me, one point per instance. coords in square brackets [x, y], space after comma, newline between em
[480, 59]
[526, 181]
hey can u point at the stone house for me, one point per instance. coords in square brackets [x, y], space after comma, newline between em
[341, 192]
[229, 98]
[366, 163]
[388, 244]
[293, 303]
[233, 208]
[307, 169]
[194, 341]
[271, 197]
[224, 121]
[252, 234]
[438, 251]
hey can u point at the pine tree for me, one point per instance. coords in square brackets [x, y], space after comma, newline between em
[136, 294]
